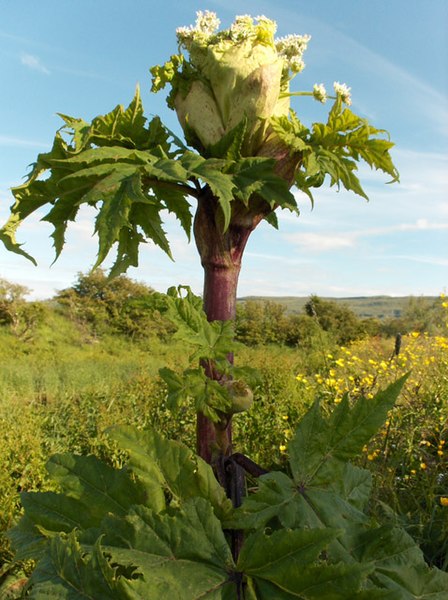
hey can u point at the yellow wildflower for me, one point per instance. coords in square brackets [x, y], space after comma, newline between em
[444, 501]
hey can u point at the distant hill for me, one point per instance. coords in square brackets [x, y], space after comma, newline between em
[378, 307]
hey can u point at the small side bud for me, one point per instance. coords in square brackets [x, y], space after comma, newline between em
[241, 395]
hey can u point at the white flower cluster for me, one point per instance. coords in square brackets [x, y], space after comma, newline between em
[206, 24]
[244, 27]
[319, 92]
[343, 91]
[267, 24]
[292, 47]
[241, 28]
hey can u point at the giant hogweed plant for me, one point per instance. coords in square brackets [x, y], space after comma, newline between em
[172, 523]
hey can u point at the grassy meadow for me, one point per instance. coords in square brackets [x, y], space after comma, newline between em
[64, 385]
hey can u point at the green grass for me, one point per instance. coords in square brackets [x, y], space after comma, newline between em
[61, 390]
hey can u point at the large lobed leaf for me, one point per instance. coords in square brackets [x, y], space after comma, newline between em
[98, 544]
[90, 489]
[66, 572]
[183, 554]
[170, 468]
[324, 443]
[334, 149]
[287, 561]
[326, 491]
[131, 171]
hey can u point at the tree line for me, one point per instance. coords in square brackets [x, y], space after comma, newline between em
[122, 306]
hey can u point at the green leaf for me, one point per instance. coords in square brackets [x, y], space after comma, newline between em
[8, 237]
[78, 129]
[177, 204]
[327, 492]
[122, 166]
[98, 486]
[190, 532]
[31, 196]
[334, 149]
[171, 466]
[256, 176]
[208, 396]
[67, 573]
[47, 514]
[287, 559]
[165, 74]
[331, 584]
[112, 218]
[272, 219]
[127, 251]
[277, 501]
[229, 146]
[341, 437]
[270, 556]
[291, 131]
[221, 185]
[212, 340]
[354, 485]
[181, 555]
[399, 564]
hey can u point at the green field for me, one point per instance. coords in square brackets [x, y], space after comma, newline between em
[365, 307]
[81, 368]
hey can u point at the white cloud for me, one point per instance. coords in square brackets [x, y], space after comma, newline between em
[427, 260]
[13, 142]
[419, 225]
[33, 62]
[276, 258]
[316, 242]
[328, 240]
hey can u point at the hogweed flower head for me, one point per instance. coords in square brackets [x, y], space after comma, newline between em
[207, 22]
[205, 27]
[241, 28]
[291, 48]
[319, 92]
[230, 76]
[342, 90]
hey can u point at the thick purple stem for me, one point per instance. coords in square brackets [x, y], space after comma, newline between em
[221, 253]
[220, 285]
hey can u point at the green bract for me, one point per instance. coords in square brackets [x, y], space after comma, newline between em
[234, 79]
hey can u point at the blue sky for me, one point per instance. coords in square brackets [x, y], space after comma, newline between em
[82, 58]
